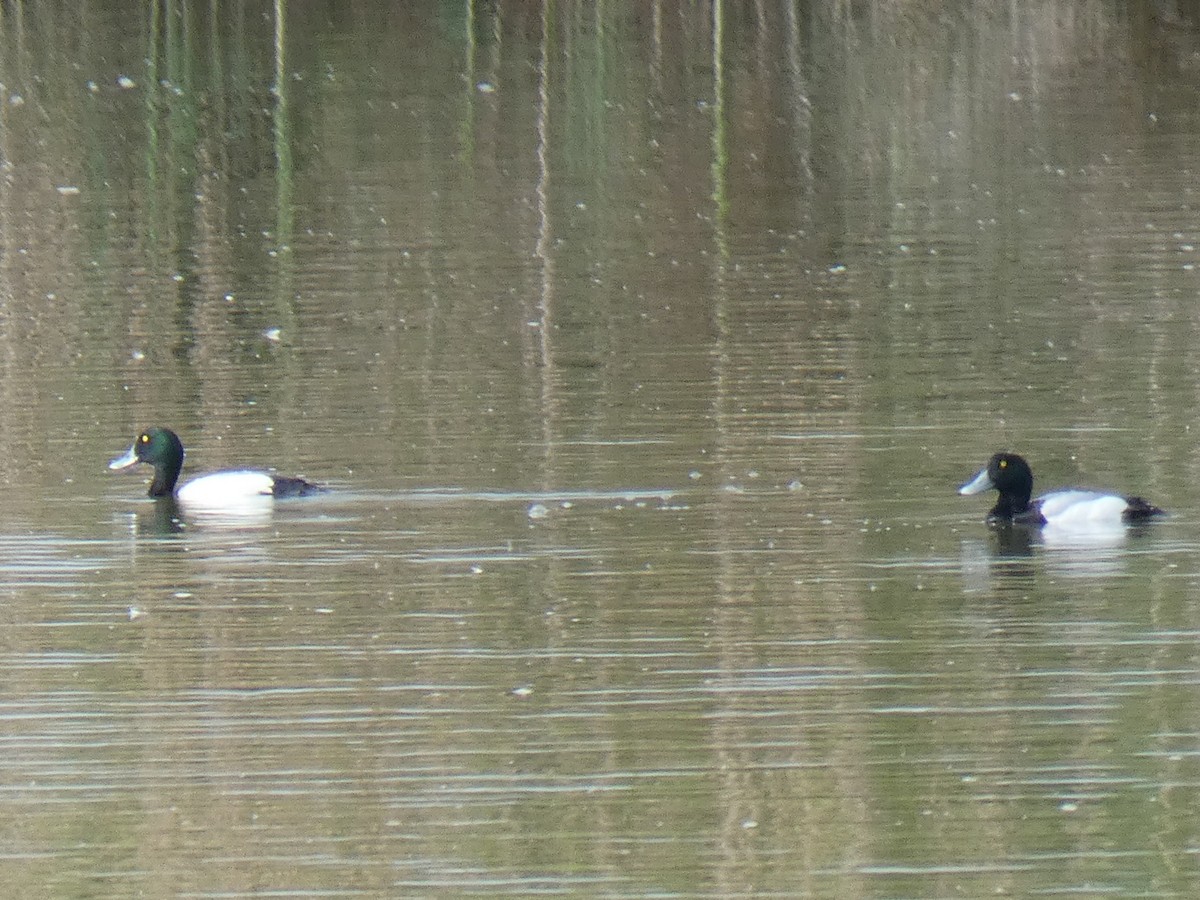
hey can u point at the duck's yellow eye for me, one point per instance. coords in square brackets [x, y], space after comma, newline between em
[145, 439]
[1004, 463]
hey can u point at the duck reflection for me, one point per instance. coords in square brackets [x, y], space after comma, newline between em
[1012, 541]
[163, 516]
[1003, 560]
[1016, 551]
[157, 518]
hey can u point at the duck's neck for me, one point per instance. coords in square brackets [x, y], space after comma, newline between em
[1010, 506]
[165, 476]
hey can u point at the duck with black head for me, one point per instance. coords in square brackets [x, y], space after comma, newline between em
[162, 449]
[1012, 478]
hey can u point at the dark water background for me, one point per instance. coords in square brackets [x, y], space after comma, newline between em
[644, 345]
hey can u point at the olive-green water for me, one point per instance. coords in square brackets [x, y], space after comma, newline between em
[642, 346]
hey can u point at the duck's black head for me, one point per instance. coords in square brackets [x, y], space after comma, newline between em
[161, 448]
[1011, 476]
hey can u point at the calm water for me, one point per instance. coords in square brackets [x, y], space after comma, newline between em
[643, 348]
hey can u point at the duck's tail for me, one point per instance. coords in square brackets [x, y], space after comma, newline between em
[1139, 510]
[295, 487]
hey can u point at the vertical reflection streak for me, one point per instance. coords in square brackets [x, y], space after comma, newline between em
[542, 247]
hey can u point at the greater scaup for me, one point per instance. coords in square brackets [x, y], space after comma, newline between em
[1010, 475]
[161, 448]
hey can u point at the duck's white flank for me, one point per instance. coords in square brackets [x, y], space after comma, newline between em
[1082, 509]
[226, 488]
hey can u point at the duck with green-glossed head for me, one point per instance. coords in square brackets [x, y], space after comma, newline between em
[162, 449]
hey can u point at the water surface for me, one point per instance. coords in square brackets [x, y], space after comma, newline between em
[642, 350]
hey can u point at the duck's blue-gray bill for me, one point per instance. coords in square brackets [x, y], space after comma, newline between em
[127, 459]
[976, 485]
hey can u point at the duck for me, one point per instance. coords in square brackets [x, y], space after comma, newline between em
[161, 448]
[1011, 476]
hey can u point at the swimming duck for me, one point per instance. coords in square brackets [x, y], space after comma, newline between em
[161, 448]
[1010, 474]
